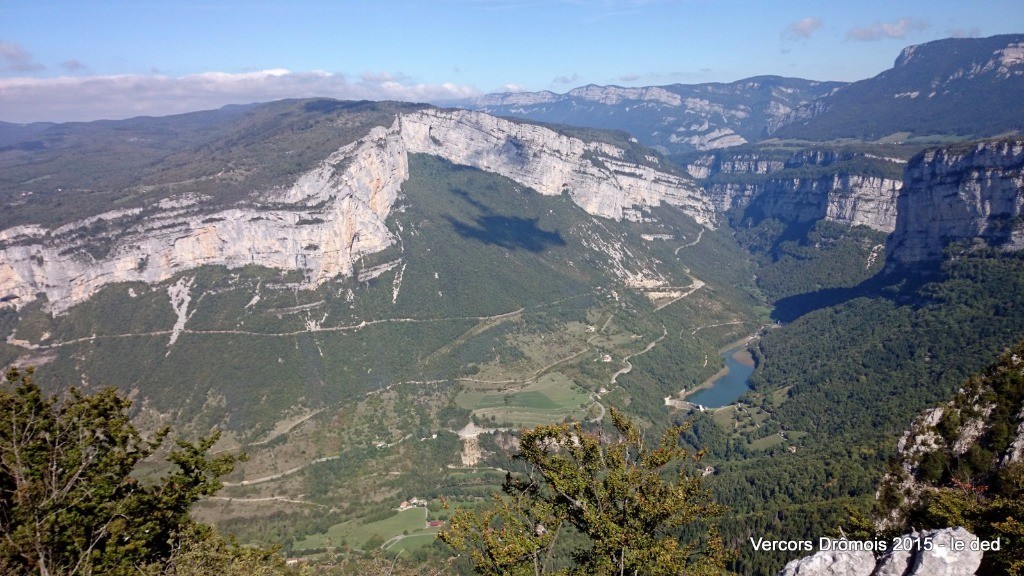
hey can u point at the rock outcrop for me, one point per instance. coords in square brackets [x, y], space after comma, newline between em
[594, 174]
[928, 553]
[802, 188]
[968, 194]
[320, 226]
[986, 412]
[832, 563]
[332, 215]
[850, 199]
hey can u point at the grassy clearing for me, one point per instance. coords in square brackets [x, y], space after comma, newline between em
[543, 349]
[356, 534]
[739, 418]
[472, 474]
[767, 442]
[550, 399]
[894, 138]
[414, 541]
[725, 417]
[518, 357]
[579, 329]
[777, 397]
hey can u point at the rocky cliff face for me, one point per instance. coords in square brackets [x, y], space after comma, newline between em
[784, 188]
[854, 200]
[952, 467]
[330, 216]
[937, 560]
[983, 425]
[320, 225]
[594, 174]
[972, 194]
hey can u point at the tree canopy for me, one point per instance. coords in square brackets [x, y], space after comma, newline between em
[69, 503]
[612, 493]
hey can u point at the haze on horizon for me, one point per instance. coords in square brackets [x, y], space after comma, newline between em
[67, 61]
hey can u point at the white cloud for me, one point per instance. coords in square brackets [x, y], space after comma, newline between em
[566, 79]
[629, 78]
[112, 97]
[882, 30]
[804, 28]
[16, 59]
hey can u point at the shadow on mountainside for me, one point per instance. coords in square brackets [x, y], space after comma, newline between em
[508, 232]
[900, 285]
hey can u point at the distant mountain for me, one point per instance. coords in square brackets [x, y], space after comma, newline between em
[963, 87]
[972, 87]
[677, 118]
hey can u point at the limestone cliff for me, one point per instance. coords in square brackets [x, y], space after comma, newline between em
[851, 199]
[320, 225]
[978, 433]
[330, 216]
[970, 194]
[930, 555]
[594, 174]
[804, 187]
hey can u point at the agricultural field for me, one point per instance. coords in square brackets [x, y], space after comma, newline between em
[552, 398]
[361, 536]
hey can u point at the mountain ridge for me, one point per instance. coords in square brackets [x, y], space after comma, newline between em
[330, 216]
[670, 118]
[956, 86]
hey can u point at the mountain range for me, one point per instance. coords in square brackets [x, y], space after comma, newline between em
[370, 297]
[963, 87]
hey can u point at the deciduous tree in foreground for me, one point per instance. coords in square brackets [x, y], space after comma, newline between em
[68, 501]
[614, 494]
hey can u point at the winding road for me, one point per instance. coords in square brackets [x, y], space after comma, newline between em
[694, 243]
[629, 365]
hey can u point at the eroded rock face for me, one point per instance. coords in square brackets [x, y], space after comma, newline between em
[594, 174]
[320, 225]
[850, 199]
[1015, 452]
[844, 197]
[330, 216]
[960, 194]
[832, 563]
[929, 553]
[950, 431]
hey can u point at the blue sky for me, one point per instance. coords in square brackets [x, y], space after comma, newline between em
[101, 59]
